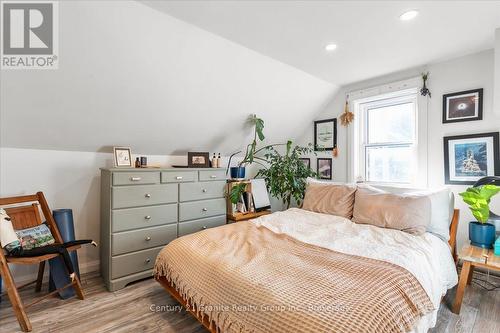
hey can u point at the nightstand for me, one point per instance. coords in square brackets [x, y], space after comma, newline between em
[471, 257]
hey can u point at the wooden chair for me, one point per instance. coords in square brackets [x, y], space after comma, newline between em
[26, 217]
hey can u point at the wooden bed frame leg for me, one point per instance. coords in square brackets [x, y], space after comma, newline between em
[39, 279]
[15, 299]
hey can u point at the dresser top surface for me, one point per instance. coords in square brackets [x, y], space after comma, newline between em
[158, 169]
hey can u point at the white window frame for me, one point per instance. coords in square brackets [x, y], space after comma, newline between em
[355, 136]
[379, 101]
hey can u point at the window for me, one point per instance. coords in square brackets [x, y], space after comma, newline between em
[388, 138]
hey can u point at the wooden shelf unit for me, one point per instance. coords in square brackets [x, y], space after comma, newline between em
[236, 217]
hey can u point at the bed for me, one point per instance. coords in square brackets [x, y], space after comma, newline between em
[304, 271]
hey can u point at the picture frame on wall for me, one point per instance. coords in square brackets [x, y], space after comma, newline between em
[198, 160]
[306, 161]
[468, 158]
[324, 168]
[463, 106]
[325, 134]
[122, 157]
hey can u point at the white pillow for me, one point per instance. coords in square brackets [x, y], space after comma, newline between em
[442, 204]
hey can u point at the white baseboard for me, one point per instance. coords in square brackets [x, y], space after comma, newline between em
[87, 267]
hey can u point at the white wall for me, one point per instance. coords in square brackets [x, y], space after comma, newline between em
[497, 71]
[131, 75]
[473, 71]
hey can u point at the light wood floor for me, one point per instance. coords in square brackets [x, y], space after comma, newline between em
[129, 310]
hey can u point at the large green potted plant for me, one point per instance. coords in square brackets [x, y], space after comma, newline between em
[481, 233]
[286, 173]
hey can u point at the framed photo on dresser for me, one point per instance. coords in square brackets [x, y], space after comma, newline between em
[122, 157]
[468, 158]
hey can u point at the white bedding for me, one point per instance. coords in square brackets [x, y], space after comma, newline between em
[427, 257]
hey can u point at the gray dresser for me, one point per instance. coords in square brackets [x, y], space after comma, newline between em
[142, 210]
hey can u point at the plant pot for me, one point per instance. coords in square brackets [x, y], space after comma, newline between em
[482, 234]
[237, 172]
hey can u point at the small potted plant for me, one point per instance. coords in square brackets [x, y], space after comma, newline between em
[481, 233]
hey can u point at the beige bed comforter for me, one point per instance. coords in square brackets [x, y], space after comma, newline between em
[246, 278]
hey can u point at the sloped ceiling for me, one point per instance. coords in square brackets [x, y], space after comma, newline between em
[131, 75]
[371, 39]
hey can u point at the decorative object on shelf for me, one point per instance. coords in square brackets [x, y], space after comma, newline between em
[325, 134]
[324, 168]
[497, 247]
[347, 116]
[198, 160]
[122, 157]
[481, 233]
[467, 158]
[144, 162]
[137, 162]
[463, 106]
[335, 152]
[306, 161]
[491, 180]
[424, 91]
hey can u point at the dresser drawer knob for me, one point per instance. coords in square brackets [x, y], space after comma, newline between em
[204, 227]
[135, 179]
[147, 217]
[147, 261]
[213, 176]
[204, 190]
[148, 239]
[178, 177]
[147, 195]
[205, 209]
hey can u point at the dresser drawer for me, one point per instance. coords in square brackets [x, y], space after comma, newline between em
[202, 190]
[215, 174]
[178, 176]
[133, 262]
[136, 178]
[135, 218]
[129, 241]
[186, 228]
[201, 209]
[143, 195]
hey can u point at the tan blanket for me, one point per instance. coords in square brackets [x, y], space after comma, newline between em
[248, 279]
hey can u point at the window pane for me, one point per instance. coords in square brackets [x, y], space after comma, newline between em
[395, 123]
[389, 164]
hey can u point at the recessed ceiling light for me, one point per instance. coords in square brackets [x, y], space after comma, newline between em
[409, 15]
[330, 47]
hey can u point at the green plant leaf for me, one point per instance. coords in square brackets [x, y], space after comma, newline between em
[236, 192]
[488, 191]
[259, 128]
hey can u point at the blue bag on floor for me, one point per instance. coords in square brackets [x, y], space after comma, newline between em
[59, 277]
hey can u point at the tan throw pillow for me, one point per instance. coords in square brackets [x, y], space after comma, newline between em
[405, 212]
[333, 199]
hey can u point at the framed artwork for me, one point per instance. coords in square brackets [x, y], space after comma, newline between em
[325, 134]
[306, 161]
[463, 106]
[324, 168]
[122, 157]
[468, 158]
[198, 160]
